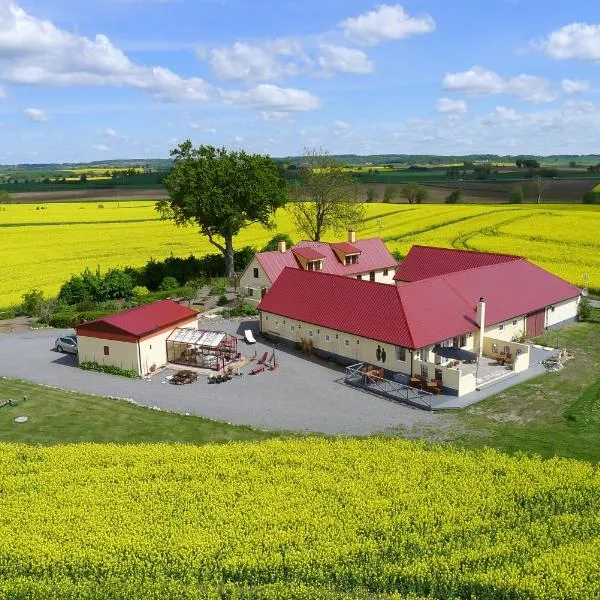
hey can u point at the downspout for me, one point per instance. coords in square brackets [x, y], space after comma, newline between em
[139, 358]
[481, 323]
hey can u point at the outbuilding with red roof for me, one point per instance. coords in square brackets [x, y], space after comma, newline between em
[134, 339]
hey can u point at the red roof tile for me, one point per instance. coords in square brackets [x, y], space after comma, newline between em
[423, 262]
[141, 320]
[417, 314]
[374, 257]
[345, 247]
[308, 253]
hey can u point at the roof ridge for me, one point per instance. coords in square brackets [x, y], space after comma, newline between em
[337, 275]
[403, 312]
[465, 250]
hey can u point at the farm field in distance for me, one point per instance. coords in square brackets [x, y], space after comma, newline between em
[43, 247]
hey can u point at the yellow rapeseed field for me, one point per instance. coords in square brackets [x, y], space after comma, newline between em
[308, 518]
[40, 248]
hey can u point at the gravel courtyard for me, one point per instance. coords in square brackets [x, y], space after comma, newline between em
[301, 395]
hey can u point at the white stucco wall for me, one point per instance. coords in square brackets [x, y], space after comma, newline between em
[121, 354]
[247, 280]
[153, 350]
[563, 311]
[380, 276]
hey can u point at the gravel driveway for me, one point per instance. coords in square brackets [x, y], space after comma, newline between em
[301, 395]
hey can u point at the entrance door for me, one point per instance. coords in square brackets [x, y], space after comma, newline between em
[535, 323]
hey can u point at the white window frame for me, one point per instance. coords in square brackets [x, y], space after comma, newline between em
[327, 338]
[400, 351]
[346, 343]
[311, 333]
[292, 328]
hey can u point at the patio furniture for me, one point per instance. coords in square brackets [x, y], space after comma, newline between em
[416, 382]
[249, 337]
[433, 387]
[257, 370]
[263, 358]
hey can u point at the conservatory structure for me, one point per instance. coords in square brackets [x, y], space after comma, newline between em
[202, 349]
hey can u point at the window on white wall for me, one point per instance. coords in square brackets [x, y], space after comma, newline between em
[347, 343]
[501, 328]
[292, 328]
[400, 353]
[385, 272]
[515, 323]
[311, 333]
[327, 337]
[250, 291]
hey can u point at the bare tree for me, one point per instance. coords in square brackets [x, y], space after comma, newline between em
[325, 197]
[539, 186]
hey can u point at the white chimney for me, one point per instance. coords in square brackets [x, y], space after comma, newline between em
[281, 246]
[481, 323]
[351, 236]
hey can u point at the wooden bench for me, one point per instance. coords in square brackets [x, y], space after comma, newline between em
[257, 370]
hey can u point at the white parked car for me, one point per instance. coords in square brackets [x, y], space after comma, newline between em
[68, 343]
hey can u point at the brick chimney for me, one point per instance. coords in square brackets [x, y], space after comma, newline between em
[481, 323]
[351, 236]
[281, 246]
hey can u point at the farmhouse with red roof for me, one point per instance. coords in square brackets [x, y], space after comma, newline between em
[367, 259]
[449, 311]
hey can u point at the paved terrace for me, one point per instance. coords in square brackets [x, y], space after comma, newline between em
[303, 394]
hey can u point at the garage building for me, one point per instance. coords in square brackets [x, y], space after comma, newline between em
[134, 339]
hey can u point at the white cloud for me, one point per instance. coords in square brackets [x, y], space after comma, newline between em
[272, 96]
[501, 114]
[3, 93]
[36, 115]
[574, 86]
[387, 22]
[100, 147]
[344, 60]
[449, 106]
[36, 52]
[276, 116]
[270, 60]
[341, 125]
[480, 81]
[578, 41]
[238, 139]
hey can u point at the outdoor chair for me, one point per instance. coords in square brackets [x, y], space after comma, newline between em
[257, 370]
[249, 337]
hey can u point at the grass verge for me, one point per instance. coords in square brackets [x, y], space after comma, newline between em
[60, 417]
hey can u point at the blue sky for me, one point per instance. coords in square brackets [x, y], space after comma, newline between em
[86, 80]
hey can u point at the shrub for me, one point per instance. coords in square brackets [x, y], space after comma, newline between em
[454, 196]
[243, 310]
[590, 197]
[273, 243]
[516, 195]
[62, 320]
[584, 311]
[140, 291]
[116, 284]
[222, 300]
[168, 283]
[389, 194]
[32, 302]
[218, 289]
[110, 369]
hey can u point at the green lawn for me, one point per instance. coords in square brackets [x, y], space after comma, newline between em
[60, 417]
[554, 414]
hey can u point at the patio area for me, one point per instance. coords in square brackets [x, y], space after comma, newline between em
[488, 370]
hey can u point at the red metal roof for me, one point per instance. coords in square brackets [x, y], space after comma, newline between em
[345, 247]
[417, 314]
[308, 253]
[141, 321]
[374, 256]
[423, 262]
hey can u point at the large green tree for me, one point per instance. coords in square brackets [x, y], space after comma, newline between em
[325, 197]
[222, 192]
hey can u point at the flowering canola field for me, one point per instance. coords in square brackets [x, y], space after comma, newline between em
[306, 518]
[43, 247]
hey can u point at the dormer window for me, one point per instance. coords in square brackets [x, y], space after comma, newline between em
[351, 259]
[315, 265]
